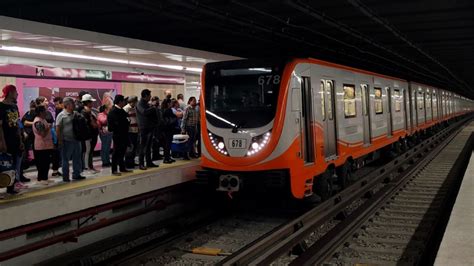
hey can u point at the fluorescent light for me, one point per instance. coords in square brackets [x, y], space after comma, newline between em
[194, 69]
[175, 67]
[94, 58]
[61, 54]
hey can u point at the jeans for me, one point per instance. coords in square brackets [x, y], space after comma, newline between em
[191, 131]
[106, 140]
[71, 150]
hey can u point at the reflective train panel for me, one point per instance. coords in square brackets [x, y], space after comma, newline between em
[301, 124]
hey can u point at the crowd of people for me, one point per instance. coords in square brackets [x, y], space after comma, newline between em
[130, 128]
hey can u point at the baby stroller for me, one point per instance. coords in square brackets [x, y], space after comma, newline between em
[7, 174]
[178, 145]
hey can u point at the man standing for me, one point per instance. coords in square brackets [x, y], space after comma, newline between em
[147, 121]
[189, 125]
[70, 147]
[131, 110]
[182, 104]
[10, 139]
[119, 124]
[56, 159]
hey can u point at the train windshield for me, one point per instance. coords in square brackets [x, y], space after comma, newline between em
[241, 96]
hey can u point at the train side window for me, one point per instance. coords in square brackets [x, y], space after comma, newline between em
[428, 100]
[329, 90]
[323, 107]
[363, 88]
[349, 101]
[378, 105]
[420, 100]
[397, 99]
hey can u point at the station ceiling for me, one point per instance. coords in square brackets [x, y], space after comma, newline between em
[431, 42]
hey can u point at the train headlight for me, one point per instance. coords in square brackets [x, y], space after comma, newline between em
[258, 143]
[218, 143]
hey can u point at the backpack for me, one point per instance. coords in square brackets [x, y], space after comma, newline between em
[80, 127]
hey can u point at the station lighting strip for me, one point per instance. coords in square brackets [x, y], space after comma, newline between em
[94, 58]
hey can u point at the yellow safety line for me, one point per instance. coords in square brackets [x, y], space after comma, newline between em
[86, 182]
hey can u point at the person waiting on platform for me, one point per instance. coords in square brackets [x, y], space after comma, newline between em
[105, 135]
[43, 144]
[119, 124]
[189, 126]
[50, 118]
[167, 127]
[29, 138]
[56, 158]
[182, 104]
[131, 110]
[147, 121]
[70, 147]
[88, 145]
[157, 136]
[10, 139]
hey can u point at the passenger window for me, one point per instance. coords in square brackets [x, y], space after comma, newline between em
[428, 100]
[329, 90]
[349, 101]
[398, 100]
[420, 100]
[378, 105]
[363, 88]
[323, 108]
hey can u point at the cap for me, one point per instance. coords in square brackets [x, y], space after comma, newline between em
[87, 98]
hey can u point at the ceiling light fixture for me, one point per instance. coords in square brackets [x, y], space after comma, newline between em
[94, 58]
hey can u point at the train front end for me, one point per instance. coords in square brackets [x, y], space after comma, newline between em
[242, 114]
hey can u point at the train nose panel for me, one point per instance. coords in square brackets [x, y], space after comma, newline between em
[229, 183]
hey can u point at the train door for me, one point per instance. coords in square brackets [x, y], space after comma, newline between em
[389, 111]
[366, 113]
[307, 119]
[329, 123]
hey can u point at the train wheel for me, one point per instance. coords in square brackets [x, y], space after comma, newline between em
[324, 184]
[344, 175]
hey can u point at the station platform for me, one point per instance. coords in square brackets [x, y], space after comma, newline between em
[458, 241]
[41, 202]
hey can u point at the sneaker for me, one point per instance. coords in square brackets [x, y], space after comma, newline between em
[79, 177]
[24, 179]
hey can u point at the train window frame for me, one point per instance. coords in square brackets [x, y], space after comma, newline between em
[330, 110]
[397, 99]
[428, 100]
[323, 103]
[350, 99]
[378, 101]
[420, 99]
[365, 101]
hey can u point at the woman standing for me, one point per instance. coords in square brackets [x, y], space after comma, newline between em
[43, 146]
[105, 135]
[90, 143]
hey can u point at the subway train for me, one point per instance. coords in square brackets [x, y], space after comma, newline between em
[304, 125]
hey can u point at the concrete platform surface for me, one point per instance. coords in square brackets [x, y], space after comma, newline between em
[457, 246]
[40, 202]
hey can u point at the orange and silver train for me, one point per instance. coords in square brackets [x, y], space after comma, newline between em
[304, 124]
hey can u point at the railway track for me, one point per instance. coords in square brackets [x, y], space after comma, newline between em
[388, 217]
[375, 220]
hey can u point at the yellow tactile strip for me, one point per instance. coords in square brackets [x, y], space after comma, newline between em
[86, 182]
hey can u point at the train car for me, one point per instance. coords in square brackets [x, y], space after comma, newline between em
[305, 124]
